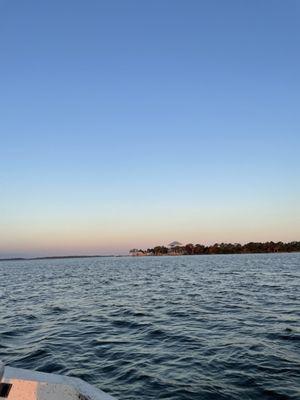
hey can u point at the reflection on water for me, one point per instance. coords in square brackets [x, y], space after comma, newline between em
[200, 327]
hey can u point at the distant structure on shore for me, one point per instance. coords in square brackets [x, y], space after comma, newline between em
[177, 249]
[174, 244]
[173, 249]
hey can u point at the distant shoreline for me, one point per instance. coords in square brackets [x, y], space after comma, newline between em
[178, 249]
[57, 257]
[128, 256]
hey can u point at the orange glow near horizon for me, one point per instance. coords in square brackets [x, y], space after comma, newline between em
[118, 236]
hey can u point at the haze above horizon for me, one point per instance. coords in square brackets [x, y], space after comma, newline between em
[130, 124]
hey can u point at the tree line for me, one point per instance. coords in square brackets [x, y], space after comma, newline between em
[225, 248]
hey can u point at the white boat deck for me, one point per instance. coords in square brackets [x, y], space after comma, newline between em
[31, 385]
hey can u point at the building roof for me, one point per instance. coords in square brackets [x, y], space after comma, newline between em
[174, 244]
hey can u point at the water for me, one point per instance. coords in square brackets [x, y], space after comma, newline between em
[199, 327]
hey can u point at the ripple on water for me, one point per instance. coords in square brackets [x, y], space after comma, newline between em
[207, 327]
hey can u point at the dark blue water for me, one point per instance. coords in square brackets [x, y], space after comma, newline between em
[199, 327]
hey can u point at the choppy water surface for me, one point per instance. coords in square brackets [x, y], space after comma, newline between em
[199, 327]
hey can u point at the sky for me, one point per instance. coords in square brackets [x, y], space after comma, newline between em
[135, 123]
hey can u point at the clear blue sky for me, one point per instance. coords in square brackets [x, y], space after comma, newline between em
[133, 123]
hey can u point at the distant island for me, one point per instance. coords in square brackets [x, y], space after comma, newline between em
[178, 249]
